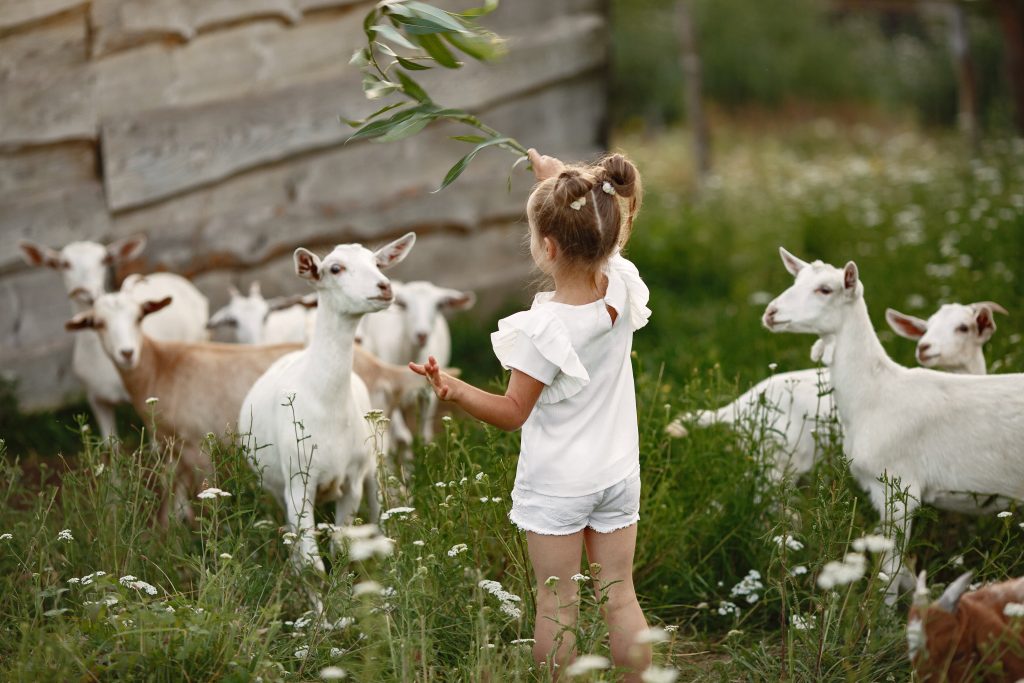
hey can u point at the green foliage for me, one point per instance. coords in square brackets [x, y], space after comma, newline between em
[431, 37]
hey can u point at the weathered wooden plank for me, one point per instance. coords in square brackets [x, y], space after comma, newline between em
[47, 108]
[56, 45]
[253, 58]
[119, 24]
[365, 192]
[53, 218]
[15, 14]
[161, 153]
[44, 169]
[43, 375]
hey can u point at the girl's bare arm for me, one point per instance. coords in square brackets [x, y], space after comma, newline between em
[507, 412]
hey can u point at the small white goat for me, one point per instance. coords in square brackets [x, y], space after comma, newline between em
[791, 406]
[282, 320]
[86, 268]
[304, 423]
[940, 437]
[199, 387]
[412, 330]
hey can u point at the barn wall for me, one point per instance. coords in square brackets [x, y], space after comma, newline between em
[212, 127]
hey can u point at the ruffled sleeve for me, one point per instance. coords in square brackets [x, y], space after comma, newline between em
[537, 343]
[627, 292]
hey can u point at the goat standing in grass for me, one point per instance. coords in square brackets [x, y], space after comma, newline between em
[86, 269]
[792, 406]
[939, 437]
[304, 421]
[968, 636]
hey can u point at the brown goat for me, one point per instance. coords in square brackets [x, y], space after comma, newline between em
[967, 636]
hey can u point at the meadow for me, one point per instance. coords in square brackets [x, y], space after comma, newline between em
[726, 562]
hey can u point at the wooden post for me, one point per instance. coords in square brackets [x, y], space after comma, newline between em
[689, 56]
[1011, 19]
[967, 85]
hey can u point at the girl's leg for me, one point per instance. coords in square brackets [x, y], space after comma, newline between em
[614, 552]
[557, 605]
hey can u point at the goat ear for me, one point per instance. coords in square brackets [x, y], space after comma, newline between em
[150, 307]
[455, 300]
[851, 277]
[950, 597]
[127, 249]
[983, 317]
[905, 325]
[922, 597]
[37, 255]
[222, 317]
[307, 264]
[82, 321]
[393, 254]
[792, 263]
[254, 288]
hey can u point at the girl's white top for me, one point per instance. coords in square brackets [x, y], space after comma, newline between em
[582, 435]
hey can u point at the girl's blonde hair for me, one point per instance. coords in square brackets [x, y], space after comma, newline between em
[588, 210]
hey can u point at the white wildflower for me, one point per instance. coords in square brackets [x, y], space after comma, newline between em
[483, 499]
[551, 581]
[798, 570]
[446, 418]
[958, 561]
[362, 549]
[522, 641]
[511, 610]
[440, 484]
[357, 532]
[672, 629]
[367, 588]
[479, 476]
[288, 537]
[461, 481]
[789, 542]
[333, 673]
[129, 581]
[65, 535]
[393, 512]
[749, 586]
[212, 492]
[418, 543]
[301, 653]
[773, 367]
[341, 624]
[802, 623]
[6, 537]
[841, 573]
[1014, 609]
[302, 622]
[579, 577]
[73, 580]
[109, 600]
[652, 635]
[152, 400]
[1004, 514]
[587, 663]
[457, 549]
[873, 543]
[262, 524]
[725, 608]
[659, 674]
[495, 499]
[336, 652]
[225, 556]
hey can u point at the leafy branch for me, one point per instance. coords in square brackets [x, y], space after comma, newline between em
[406, 36]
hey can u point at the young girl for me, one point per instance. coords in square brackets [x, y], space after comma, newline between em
[571, 391]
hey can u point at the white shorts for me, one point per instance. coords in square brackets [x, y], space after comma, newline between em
[610, 509]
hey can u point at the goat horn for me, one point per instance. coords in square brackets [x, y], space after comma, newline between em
[947, 602]
[921, 595]
[993, 305]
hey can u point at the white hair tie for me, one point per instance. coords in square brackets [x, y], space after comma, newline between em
[607, 188]
[579, 203]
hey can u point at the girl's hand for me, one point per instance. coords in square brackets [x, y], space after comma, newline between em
[441, 382]
[544, 167]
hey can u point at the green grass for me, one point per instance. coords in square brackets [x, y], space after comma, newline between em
[924, 225]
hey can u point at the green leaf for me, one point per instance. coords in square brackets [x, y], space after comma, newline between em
[411, 65]
[375, 88]
[439, 16]
[412, 88]
[460, 165]
[482, 46]
[473, 12]
[417, 26]
[389, 33]
[360, 58]
[406, 128]
[436, 49]
[474, 139]
[378, 128]
[356, 123]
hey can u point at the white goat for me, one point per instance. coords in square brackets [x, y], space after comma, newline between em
[791, 406]
[306, 416]
[939, 437]
[413, 330]
[86, 268]
[282, 320]
[199, 387]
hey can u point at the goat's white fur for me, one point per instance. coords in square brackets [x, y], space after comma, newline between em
[256, 320]
[413, 330]
[931, 433]
[86, 270]
[791, 406]
[304, 421]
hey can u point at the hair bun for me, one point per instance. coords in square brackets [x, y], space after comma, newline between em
[621, 173]
[571, 184]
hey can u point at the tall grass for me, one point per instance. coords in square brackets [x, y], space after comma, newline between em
[713, 562]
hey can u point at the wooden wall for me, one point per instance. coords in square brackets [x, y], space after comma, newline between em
[212, 127]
